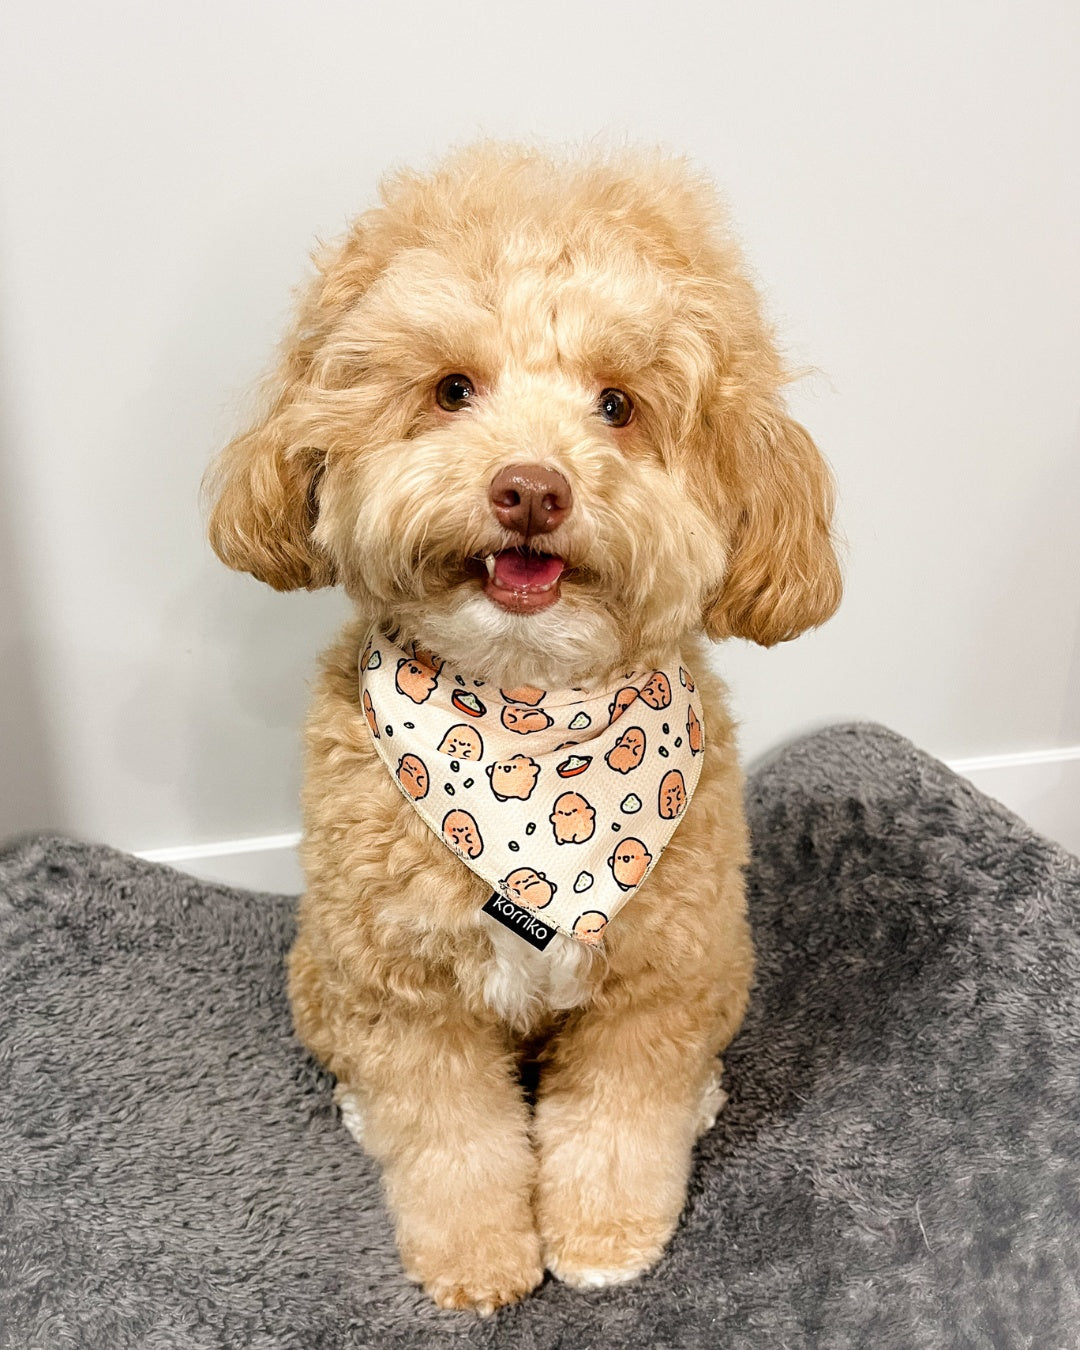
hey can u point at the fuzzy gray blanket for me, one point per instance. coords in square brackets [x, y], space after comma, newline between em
[898, 1165]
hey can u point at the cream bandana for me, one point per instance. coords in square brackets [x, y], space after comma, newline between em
[562, 800]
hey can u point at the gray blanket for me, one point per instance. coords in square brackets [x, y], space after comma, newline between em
[898, 1165]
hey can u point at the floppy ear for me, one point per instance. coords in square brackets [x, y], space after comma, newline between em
[265, 511]
[783, 576]
[263, 489]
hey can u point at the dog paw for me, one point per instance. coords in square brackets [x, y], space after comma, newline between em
[592, 1277]
[480, 1274]
[713, 1101]
[352, 1115]
[594, 1260]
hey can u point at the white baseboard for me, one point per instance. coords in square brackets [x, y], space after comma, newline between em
[266, 863]
[1041, 786]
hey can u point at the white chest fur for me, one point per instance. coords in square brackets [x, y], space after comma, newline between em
[521, 981]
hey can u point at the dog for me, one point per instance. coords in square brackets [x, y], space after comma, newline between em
[531, 418]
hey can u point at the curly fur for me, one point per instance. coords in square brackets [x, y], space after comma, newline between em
[544, 279]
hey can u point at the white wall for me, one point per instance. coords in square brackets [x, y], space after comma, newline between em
[906, 179]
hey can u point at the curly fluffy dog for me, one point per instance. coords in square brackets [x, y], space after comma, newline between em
[559, 361]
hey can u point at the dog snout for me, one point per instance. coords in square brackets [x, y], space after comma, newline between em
[530, 498]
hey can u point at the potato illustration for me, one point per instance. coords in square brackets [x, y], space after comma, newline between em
[572, 818]
[513, 777]
[462, 833]
[628, 751]
[528, 887]
[413, 776]
[462, 742]
[671, 799]
[629, 862]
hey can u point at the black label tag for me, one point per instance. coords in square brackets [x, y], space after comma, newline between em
[535, 931]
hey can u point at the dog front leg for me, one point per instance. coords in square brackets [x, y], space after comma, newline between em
[444, 1116]
[617, 1113]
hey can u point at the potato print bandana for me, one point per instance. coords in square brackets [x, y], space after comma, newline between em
[562, 800]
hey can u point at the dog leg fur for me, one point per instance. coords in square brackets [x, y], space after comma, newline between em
[614, 1143]
[433, 1095]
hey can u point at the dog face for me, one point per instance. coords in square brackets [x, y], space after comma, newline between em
[499, 438]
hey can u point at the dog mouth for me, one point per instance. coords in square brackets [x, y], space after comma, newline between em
[522, 581]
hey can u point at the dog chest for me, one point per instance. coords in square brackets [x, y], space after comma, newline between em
[520, 981]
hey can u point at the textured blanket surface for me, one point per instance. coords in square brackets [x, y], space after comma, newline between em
[898, 1165]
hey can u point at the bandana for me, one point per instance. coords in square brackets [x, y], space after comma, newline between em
[562, 800]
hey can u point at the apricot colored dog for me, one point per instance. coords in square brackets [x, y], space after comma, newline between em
[531, 419]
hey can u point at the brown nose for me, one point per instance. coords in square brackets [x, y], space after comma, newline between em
[530, 498]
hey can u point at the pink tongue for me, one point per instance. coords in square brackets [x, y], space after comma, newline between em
[516, 571]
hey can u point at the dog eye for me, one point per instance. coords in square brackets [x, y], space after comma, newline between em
[453, 392]
[615, 407]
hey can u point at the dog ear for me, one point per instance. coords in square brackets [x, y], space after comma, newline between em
[263, 490]
[783, 575]
[265, 511]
